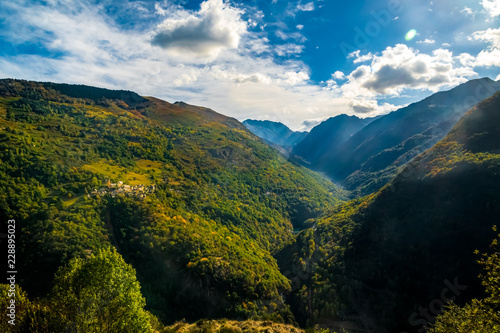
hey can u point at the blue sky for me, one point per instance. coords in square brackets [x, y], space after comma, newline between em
[297, 62]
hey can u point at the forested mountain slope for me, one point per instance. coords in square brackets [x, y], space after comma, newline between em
[194, 201]
[380, 261]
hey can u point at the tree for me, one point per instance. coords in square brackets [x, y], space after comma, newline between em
[100, 294]
[14, 304]
[478, 316]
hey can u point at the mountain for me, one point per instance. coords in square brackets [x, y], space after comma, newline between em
[389, 261]
[327, 136]
[274, 132]
[190, 198]
[372, 156]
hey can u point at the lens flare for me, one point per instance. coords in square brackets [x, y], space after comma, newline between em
[410, 34]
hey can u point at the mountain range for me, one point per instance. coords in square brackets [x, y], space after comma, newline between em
[364, 154]
[274, 132]
[169, 211]
[327, 136]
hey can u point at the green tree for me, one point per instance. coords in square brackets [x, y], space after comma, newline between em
[100, 294]
[478, 316]
[14, 304]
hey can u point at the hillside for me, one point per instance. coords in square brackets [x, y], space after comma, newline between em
[329, 135]
[373, 156]
[190, 198]
[232, 326]
[377, 260]
[274, 132]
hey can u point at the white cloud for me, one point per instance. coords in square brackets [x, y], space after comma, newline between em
[160, 10]
[491, 55]
[338, 75]
[288, 49]
[490, 36]
[215, 27]
[467, 11]
[308, 124]
[400, 67]
[292, 35]
[360, 58]
[252, 78]
[186, 78]
[492, 7]
[371, 107]
[466, 59]
[488, 58]
[308, 7]
[426, 41]
[300, 26]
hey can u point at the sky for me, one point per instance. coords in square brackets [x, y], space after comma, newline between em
[298, 62]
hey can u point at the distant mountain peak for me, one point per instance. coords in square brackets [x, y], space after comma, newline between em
[274, 132]
[330, 133]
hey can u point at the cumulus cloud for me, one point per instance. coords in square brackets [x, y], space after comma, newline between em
[363, 106]
[401, 67]
[371, 106]
[492, 7]
[488, 58]
[338, 75]
[215, 27]
[491, 36]
[491, 55]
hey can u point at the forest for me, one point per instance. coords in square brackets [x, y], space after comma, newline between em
[234, 237]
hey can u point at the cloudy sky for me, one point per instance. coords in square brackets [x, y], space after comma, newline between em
[297, 62]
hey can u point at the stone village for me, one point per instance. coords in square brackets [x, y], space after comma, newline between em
[115, 189]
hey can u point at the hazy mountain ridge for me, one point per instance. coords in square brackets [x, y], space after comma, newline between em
[329, 135]
[274, 132]
[373, 155]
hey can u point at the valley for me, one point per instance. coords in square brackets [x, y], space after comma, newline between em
[185, 219]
